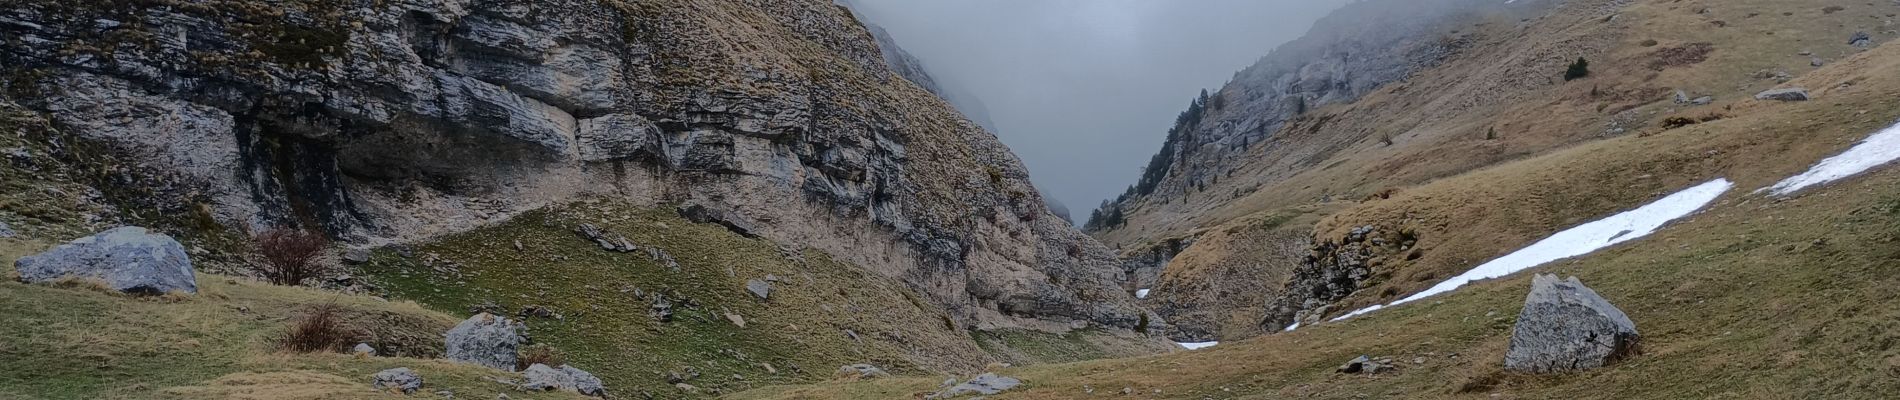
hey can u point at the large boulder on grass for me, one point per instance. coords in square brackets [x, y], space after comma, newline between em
[1566, 326]
[541, 377]
[127, 259]
[486, 339]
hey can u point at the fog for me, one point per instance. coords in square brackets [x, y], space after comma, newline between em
[1084, 90]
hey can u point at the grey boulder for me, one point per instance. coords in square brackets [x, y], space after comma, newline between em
[1789, 94]
[127, 259]
[540, 378]
[486, 339]
[7, 231]
[397, 379]
[1566, 326]
[759, 288]
[985, 384]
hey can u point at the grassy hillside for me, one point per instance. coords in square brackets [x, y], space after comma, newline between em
[78, 342]
[1502, 99]
[1756, 297]
[821, 314]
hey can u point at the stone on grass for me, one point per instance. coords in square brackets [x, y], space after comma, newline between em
[1566, 326]
[397, 379]
[759, 288]
[127, 259]
[6, 231]
[486, 339]
[540, 377]
[1366, 364]
[1789, 94]
[364, 349]
[985, 384]
[356, 256]
[861, 371]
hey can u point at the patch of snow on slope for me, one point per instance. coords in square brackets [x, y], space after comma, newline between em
[1196, 345]
[1580, 240]
[1876, 150]
[1141, 294]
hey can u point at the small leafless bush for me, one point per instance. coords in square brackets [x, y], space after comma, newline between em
[290, 255]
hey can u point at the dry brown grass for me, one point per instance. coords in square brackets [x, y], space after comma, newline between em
[539, 354]
[1501, 83]
[319, 329]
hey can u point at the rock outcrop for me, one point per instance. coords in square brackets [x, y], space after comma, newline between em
[1333, 270]
[486, 340]
[1566, 326]
[127, 259]
[396, 120]
[403, 380]
[541, 378]
[1785, 94]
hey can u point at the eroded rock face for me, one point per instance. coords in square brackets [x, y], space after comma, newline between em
[1566, 326]
[127, 259]
[405, 119]
[486, 340]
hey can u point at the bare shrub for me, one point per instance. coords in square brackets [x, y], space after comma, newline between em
[320, 330]
[290, 255]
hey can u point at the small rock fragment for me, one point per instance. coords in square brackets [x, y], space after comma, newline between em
[759, 288]
[397, 379]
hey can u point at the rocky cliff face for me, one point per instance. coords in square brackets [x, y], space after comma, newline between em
[385, 121]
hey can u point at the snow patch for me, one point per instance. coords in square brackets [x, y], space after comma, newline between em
[1290, 328]
[1876, 150]
[1196, 345]
[1580, 240]
[1141, 294]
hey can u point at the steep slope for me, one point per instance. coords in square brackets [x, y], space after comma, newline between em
[1494, 93]
[908, 66]
[393, 121]
[1754, 297]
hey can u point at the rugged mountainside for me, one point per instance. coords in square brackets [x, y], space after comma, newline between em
[389, 121]
[1468, 85]
[1756, 294]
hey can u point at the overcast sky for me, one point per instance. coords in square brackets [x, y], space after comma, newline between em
[1084, 90]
